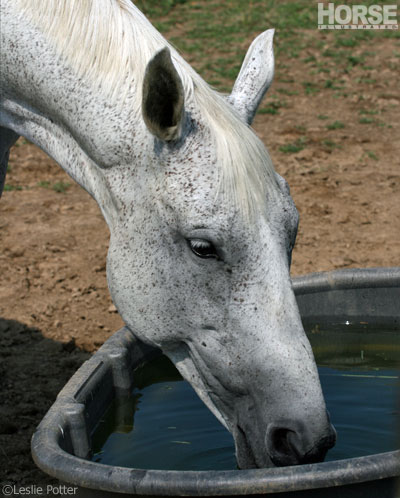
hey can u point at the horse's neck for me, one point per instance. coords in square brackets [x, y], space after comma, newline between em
[44, 100]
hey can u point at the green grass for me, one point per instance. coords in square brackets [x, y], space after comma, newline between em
[366, 120]
[310, 87]
[294, 147]
[159, 7]
[59, 187]
[215, 34]
[353, 60]
[43, 184]
[370, 112]
[372, 155]
[310, 58]
[273, 106]
[367, 81]
[349, 42]
[10, 188]
[332, 85]
[336, 125]
[330, 144]
[321, 69]
[286, 91]
[285, 80]
[268, 110]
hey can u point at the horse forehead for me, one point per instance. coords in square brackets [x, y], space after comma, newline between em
[189, 174]
[191, 190]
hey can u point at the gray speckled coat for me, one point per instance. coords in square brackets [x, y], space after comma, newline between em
[186, 271]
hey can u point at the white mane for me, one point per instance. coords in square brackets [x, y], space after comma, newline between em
[110, 43]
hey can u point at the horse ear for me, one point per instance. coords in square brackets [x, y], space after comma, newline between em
[163, 97]
[255, 76]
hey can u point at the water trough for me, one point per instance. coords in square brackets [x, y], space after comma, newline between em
[61, 446]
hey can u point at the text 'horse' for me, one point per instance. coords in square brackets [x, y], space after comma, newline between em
[201, 226]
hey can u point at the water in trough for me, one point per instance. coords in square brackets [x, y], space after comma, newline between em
[164, 425]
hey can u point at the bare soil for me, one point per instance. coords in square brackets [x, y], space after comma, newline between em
[54, 304]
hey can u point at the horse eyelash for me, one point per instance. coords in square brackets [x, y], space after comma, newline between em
[198, 243]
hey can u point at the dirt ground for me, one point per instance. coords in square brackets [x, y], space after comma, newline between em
[54, 304]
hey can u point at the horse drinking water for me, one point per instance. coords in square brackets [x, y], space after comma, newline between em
[201, 226]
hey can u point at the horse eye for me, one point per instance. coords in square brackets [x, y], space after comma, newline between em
[203, 248]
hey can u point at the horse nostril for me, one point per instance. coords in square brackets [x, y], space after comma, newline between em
[292, 446]
[280, 441]
[280, 449]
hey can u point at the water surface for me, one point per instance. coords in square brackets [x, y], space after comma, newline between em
[164, 425]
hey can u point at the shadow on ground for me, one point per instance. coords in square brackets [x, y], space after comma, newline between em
[33, 369]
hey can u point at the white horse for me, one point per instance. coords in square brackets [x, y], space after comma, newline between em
[201, 226]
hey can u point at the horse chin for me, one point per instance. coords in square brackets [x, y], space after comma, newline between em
[245, 457]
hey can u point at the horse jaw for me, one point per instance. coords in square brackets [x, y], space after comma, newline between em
[181, 357]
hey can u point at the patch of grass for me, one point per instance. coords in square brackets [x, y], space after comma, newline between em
[337, 95]
[61, 187]
[329, 53]
[336, 125]
[322, 116]
[323, 69]
[310, 87]
[346, 41]
[310, 58]
[216, 34]
[217, 83]
[286, 80]
[273, 107]
[270, 109]
[366, 120]
[294, 147]
[294, 14]
[10, 188]
[158, 8]
[330, 144]
[208, 29]
[339, 56]
[372, 155]
[367, 81]
[285, 91]
[353, 60]
[370, 112]
[332, 85]
[43, 184]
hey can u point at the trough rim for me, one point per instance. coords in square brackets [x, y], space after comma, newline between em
[52, 459]
[311, 283]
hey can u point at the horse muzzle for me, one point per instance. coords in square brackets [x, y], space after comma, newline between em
[287, 442]
[291, 443]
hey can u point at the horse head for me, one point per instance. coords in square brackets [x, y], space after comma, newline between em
[199, 261]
